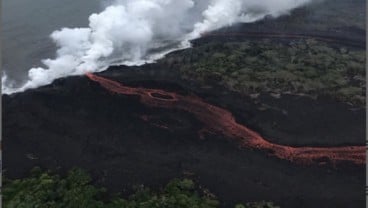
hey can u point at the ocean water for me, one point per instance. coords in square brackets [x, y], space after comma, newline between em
[27, 24]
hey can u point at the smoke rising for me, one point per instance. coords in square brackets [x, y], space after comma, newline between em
[127, 32]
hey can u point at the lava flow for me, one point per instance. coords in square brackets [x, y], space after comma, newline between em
[221, 121]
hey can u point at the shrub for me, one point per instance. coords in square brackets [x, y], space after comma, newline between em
[45, 190]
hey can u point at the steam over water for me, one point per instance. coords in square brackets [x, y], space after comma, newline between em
[127, 31]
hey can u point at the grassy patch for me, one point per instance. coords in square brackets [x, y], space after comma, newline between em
[298, 66]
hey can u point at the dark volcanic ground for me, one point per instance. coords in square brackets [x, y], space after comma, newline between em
[74, 122]
[77, 123]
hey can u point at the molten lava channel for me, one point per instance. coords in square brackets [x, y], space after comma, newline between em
[221, 121]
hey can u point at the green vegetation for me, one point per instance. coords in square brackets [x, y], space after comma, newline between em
[299, 67]
[45, 190]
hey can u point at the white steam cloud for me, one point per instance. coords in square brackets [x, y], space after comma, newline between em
[129, 31]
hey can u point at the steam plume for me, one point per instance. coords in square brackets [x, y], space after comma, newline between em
[127, 32]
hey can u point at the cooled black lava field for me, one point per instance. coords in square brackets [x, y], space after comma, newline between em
[123, 139]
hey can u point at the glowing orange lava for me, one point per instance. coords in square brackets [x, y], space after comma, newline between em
[221, 121]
